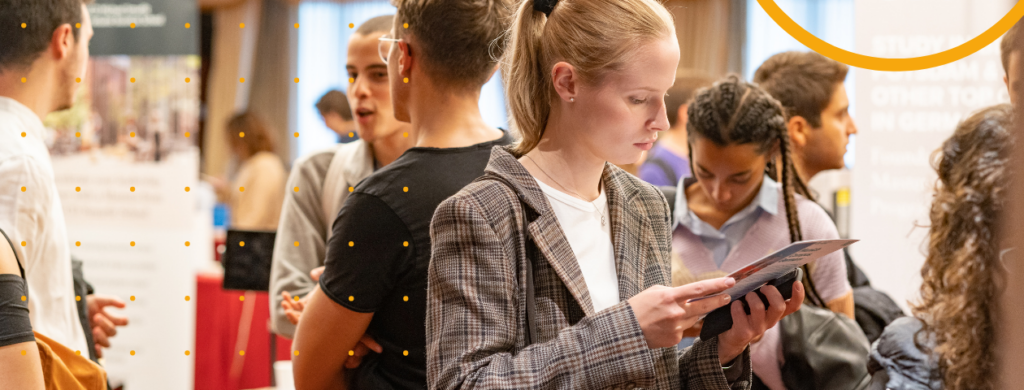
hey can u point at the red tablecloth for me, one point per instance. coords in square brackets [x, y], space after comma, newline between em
[219, 366]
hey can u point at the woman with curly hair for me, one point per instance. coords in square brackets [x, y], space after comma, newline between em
[949, 342]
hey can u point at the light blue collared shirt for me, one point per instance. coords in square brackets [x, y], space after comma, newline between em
[720, 242]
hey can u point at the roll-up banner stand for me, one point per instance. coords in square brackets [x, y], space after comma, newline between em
[123, 157]
[903, 117]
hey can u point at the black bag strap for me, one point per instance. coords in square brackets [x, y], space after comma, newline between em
[531, 302]
[670, 197]
[9, 242]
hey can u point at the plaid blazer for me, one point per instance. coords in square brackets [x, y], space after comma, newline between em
[476, 300]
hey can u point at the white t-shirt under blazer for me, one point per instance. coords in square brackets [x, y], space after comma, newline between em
[587, 226]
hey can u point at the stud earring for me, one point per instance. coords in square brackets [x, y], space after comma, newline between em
[572, 100]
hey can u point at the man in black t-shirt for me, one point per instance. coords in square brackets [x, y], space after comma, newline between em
[375, 280]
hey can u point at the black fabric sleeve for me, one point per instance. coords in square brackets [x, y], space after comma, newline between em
[368, 251]
[14, 323]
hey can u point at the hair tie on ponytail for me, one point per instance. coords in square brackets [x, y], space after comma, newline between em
[545, 6]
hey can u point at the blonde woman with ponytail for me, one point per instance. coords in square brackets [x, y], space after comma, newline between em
[550, 271]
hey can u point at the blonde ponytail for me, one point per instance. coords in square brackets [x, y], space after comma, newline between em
[526, 86]
[594, 36]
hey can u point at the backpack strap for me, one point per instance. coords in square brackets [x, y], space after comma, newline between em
[351, 162]
[20, 268]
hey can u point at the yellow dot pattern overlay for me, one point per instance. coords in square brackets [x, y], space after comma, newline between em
[78, 243]
[131, 298]
[78, 134]
[187, 243]
[24, 298]
[78, 79]
[405, 298]
[296, 134]
[405, 353]
[295, 298]
[351, 25]
[350, 352]
[351, 134]
[241, 134]
[241, 298]
[23, 189]
[78, 189]
[23, 134]
[132, 25]
[241, 25]
[405, 189]
[351, 80]
[296, 353]
[78, 352]
[78, 25]
[78, 298]
[188, 25]
[241, 79]
[296, 189]
[187, 189]
[187, 79]
[296, 25]
[296, 79]
[405, 80]
[188, 134]
[405, 243]
[241, 243]
[24, 352]
[187, 352]
[23, 243]
[241, 189]
[405, 25]
[132, 352]
[132, 134]
[241, 353]
[132, 189]
[405, 134]
[350, 189]
[296, 243]
[132, 243]
[23, 25]
[132, 79]
[350, 243]
[351, 298]
[188, 298]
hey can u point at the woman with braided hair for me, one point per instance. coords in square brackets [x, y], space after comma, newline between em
[734, 210]
[950, 342]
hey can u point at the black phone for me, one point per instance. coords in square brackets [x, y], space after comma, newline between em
[720, 320]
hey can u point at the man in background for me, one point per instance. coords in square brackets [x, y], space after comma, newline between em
[43, 57]
[325, 178]
[812, 89]
[337, 115]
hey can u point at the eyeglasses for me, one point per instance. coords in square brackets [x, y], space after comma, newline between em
[384, 44]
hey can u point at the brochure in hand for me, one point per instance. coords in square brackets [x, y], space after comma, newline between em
[777, 264]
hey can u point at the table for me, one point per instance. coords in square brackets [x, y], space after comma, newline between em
[220, 318]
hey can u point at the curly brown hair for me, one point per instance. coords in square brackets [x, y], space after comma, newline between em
[960, 274]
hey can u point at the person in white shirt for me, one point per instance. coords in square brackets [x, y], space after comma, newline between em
[42, 58]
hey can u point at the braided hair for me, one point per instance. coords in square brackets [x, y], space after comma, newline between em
[734, 112]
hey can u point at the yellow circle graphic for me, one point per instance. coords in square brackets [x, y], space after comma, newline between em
[892, 64]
